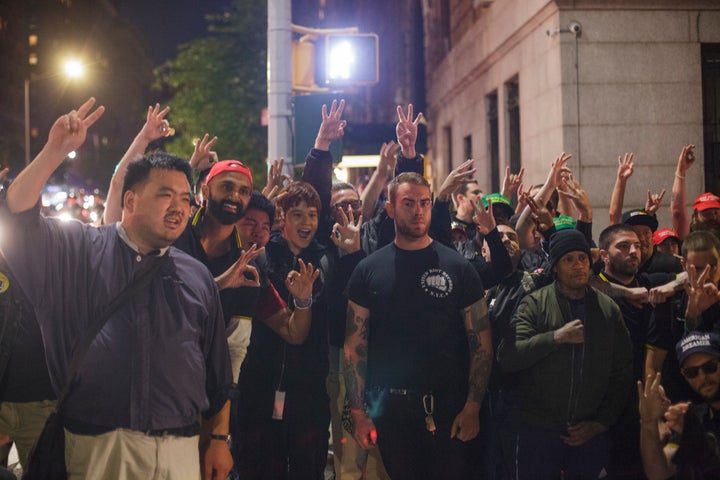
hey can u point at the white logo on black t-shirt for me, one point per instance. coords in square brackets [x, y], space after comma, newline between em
[436, 283]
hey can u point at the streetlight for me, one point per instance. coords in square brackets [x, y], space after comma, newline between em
[71, 69]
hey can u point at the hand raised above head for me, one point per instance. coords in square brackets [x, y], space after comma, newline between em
[407, 130]
[203, 156]
[69, 131]
[332, 126]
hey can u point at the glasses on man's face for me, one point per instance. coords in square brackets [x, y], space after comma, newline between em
[353, 204]
[708, 367]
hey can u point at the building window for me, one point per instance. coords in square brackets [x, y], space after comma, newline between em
[447, 133]
[467, 148]
[513, 124]
[491, 109]
[710, 53]
[445, 26]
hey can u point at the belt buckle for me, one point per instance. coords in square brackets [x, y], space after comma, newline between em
[399, 391]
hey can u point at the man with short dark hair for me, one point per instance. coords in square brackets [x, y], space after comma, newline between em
[572, 356]
[162, 358]
[418, 346]
[651, 261]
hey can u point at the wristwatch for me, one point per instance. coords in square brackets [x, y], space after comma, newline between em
[225, 438]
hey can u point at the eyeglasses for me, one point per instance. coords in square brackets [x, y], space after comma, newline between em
[353, 204]
[708, 367]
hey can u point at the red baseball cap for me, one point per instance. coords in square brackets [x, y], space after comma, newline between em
[664, 233]
[705, 201]
[229, 166]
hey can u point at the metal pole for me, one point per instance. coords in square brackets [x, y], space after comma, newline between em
[27, 121]
[279, 74]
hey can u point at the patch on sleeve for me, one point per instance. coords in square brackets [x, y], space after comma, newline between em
[4, 283]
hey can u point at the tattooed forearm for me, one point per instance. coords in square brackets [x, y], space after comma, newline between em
[478, 315]
[477, 324]
[355, 369]
[480, 367]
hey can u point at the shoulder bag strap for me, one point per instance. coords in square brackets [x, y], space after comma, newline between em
[83, 345]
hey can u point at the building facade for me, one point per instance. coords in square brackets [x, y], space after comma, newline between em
[517, 82]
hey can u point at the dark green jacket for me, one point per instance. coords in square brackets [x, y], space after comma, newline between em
[550, 388]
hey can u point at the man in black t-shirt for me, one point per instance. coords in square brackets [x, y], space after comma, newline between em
[418, 346]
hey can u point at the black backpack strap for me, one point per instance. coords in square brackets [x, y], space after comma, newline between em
[83, 345]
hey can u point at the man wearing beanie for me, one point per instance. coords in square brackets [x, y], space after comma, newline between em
[572, 354]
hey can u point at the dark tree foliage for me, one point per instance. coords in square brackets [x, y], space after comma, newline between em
[218, 84]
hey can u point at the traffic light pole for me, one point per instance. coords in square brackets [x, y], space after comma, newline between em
[280, 83]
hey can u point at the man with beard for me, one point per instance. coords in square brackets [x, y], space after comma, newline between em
[572, 354]
[651, 261]
[696, 309]
[417, 346]
[620, 252]
[692, 451]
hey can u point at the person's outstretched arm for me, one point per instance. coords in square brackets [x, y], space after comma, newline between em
[155, 127]
[681, 223]
[68, 133]
[624, 172]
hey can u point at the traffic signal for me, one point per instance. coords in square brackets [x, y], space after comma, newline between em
[351, 59]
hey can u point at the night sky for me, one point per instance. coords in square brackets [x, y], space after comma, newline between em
[166, 24]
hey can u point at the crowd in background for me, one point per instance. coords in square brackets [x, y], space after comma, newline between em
[452, 334]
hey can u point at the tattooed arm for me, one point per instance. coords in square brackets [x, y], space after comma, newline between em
[467, 424]
[355, 370]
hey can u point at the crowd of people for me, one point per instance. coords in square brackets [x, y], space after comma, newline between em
[207, 326]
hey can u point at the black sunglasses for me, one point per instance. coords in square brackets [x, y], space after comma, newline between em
[353, 204]
[708, 367]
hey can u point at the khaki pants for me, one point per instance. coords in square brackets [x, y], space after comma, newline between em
[23, 422]
[129, 455]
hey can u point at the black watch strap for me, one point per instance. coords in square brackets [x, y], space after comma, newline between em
[224, 438]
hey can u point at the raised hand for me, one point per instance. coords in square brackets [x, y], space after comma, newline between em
[332, 126]
[203, 156]
[511, 182]
[240, 274]
[407, 130]
[653, 403]
[346, 233]
[701, 295]
[69, 131]
[626, 167]
[300, 282]
[557, 168]
[484, 218]
[462, 174]
[276, 179]
[541, 215]
[571, 189]
[522, 198]
[388, 159]
[686, 160]
[156, 125]
[653, 202]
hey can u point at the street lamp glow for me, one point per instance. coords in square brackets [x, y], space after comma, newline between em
[74, 69]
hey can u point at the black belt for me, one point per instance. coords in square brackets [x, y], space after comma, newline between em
[401, 392]
[82, 428]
